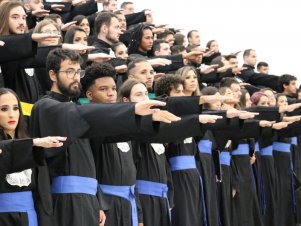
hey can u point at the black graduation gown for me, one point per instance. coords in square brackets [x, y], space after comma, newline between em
[115, 166]
[12, 162]
[188, 193]
[207, 170]
[53, 115]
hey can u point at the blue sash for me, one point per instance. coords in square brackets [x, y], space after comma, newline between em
[126, 192]
[19, 202]
[242, 149]
[267, 151]
[184, 163]
[74, 184]
[225, 158]
[282, 147]
[294, 140]
[205, 146]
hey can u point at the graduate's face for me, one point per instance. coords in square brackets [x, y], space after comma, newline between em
[164, 50]
[191, 82]
[68, 85]
[122, 22]
[128, 9]
[17, 20]
[263, 70]
[170, 39]
[282, 101]
[291, 88]
[80, 37]
[113, 32]
[214, 47]
[112, 6]
[248, 100]
[50, 29]
[251, 59]
[195, 38]
[233, 61]
[144, 73]
[84, 24]
[36, 4]
[271, 96]
[138, 93]
[121, 51]
[177, 92]
[263, 101]
[103, 91]
[236, 90]
[9, 113]
[147, 41]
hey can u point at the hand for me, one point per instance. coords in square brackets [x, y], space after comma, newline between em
[232, 113]
[247, 115]
[121, 69]
[280, 125]
[40, 12]
[264, 123]
[67, 26]
[39, 37]
[233, 192]
[78, 2]
[192, 55]
[144, 107]
[209, 53]
[49, 142]
[165, 116]
[77, 47]
[159, 62]
[99, 57]
[244, 84]
[252, 159]
[56, 7]
[2, 43]
[224, 68]
[102, 218]
[158, 30]
[211, 99]
[206, 69]
[289, 108]
[209, 118]
[238, 70]
[292, 118]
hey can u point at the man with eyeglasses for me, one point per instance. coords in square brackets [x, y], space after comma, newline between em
[75, 199]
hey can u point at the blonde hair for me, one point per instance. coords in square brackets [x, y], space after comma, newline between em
[183, 71]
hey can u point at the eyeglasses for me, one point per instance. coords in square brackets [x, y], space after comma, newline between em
[56, 32]
[71, 73]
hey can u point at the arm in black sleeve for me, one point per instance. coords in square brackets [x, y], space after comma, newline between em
[17, 155]
[23, 43]
[135, 18]
[176, 63]
[181, 106]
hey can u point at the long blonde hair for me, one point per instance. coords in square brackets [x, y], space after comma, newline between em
[183, 71]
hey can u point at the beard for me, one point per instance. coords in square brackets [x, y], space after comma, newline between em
[110, 39]
[68, 91]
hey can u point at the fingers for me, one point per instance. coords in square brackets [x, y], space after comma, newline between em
[2, 43]
[165, 116]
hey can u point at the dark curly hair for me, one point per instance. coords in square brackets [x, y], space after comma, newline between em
[164, 86]
[95, 71]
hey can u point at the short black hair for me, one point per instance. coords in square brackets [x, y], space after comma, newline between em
[177, 49]
[95, 71]
[57, 55]
[285, 80]
[247, 52]
[103, 18]
[262, 64]
[227, 82]
[164, 86]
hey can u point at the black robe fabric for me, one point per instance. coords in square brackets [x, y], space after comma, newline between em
[284, 193]
[115, 166]
[16, 156]
[54, 115]
[188, 193]
[207, 170]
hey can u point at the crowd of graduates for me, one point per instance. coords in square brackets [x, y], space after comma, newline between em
[109, 119]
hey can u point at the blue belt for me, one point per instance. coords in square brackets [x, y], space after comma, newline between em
[257, 147]
[126, 192]
[154, 189]
[294, 140]
[267, 151]
[74, 184]
[283, 147]
[188, 162]
[225, 158]
[19, 202]
[205, 146]
[242, 149]
[182, 162]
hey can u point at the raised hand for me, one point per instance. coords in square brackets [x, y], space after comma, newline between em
[67, 26]
[77, 47]
[159, 62]
[264, 123]
[209, 118]
[2, 43]
[49, 142]
[40, 12]
[145, 107]
[165, 116]
[99, 57]
[39, 37]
